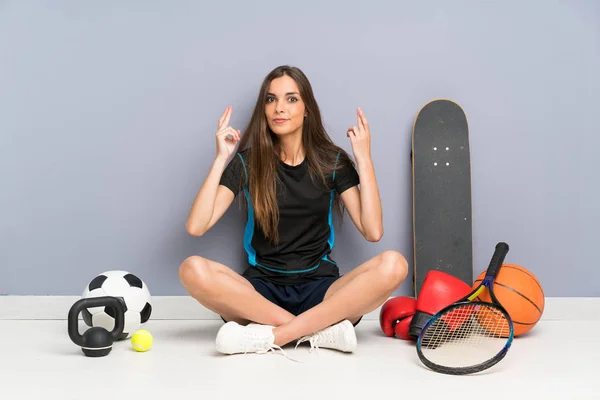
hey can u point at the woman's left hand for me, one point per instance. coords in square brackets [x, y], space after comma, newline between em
[360, 137]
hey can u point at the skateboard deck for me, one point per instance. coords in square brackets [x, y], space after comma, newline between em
[441, 166]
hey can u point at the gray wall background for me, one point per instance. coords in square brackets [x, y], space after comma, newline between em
[108, 112]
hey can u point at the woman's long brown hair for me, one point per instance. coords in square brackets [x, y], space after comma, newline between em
[263, 153]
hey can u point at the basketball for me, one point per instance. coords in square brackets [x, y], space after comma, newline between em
[520, 293]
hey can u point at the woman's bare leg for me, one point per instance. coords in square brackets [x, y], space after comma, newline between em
[225, 292]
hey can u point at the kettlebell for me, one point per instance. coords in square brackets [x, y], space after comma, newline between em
[96, 341]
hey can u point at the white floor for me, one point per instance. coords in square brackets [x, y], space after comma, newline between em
[38, 361]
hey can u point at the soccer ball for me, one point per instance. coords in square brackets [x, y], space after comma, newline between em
[133, 293]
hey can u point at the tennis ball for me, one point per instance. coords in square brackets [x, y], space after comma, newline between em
[141, 340]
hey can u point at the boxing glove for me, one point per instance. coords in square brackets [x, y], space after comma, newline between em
[395, 316]
[439, 290]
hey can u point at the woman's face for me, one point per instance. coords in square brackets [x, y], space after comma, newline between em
[284, 109]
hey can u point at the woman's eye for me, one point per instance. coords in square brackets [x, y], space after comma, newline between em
[291, 99]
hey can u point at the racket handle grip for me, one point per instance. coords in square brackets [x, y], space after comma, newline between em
[418, 322]
[497, 260]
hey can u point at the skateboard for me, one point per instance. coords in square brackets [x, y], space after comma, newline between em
[441, 166]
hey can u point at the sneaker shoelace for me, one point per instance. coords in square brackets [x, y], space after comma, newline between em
[263, 346]
[274, 349]
[323, 336]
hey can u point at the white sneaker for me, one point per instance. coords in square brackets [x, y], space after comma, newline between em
[340, 336]
[234, 338]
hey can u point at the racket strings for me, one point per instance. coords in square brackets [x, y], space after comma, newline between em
[466, 335]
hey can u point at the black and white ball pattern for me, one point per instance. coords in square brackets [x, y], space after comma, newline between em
[130, 289]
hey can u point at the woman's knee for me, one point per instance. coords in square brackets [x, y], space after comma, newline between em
[195, 273]
[393, 267]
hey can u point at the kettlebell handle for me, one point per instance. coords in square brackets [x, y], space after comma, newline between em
[90, 302]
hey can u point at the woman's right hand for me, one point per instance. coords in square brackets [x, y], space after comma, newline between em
[227, 137]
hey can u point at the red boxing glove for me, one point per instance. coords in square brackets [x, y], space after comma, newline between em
[438, 291]
[395, 316]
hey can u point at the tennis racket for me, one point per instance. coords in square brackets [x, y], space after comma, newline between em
[469, 335]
